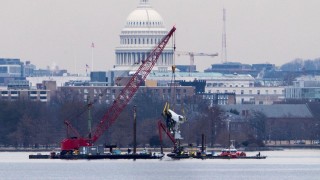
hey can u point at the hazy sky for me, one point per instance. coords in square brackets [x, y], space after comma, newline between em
[61, 31]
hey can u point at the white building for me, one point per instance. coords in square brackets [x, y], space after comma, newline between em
[60, 80]
[144, 29]
[217, 83]
[252, 95]
[212, 79]
[305, 87]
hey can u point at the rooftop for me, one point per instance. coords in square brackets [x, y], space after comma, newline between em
[275, 110]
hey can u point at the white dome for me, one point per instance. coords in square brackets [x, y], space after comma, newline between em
[144, 16]
[143, 31]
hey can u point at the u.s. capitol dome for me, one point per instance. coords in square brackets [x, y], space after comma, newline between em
[143, 30]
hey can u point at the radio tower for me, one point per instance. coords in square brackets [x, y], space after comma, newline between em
[224, 39]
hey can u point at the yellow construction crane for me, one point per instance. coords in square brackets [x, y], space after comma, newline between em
[192, 54]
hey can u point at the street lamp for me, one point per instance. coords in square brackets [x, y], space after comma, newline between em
[228, 128]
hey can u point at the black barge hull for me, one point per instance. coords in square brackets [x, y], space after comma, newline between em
[108, 156]
[185, 156]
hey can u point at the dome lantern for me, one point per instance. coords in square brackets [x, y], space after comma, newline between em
[144, 3]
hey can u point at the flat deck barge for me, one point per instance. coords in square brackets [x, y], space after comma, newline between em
[187, 156]
[102, 156]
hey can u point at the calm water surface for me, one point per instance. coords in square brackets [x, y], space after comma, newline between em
[288, 164]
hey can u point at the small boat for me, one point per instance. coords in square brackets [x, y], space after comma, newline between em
[232, 152]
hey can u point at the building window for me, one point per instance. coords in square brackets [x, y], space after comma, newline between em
[14, 92]
[43, 92]
[274, 91]
[14, 70]
[3, 69]
[250, 91]
[258, 92]
[33, 92]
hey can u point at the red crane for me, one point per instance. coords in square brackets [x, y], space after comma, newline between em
[71, 144]
[162, 127]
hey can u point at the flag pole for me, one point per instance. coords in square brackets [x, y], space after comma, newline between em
[92, 47]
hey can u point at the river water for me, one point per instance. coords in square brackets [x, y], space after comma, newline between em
[287, 164]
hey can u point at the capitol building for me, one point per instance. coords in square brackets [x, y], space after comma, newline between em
[143, 30]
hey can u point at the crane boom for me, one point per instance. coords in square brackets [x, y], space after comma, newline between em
[130, 89]
[163, 127]
[192, 54]
[123, 98]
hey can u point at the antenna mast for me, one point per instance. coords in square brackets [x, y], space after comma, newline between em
[224, 39]
[92, 48]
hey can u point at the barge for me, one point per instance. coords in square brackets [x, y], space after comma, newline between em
[187, 156]
[97, 152]
[98, 156]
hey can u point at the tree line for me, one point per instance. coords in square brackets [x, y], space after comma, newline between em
[26, 123]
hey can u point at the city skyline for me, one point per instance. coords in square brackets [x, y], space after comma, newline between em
[59, 32]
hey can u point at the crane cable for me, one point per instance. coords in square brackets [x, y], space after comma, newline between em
[173, 78]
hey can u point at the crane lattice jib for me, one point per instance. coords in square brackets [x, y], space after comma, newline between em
[167, 131]
[130, 89]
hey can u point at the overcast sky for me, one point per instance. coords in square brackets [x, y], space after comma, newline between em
[61, 31]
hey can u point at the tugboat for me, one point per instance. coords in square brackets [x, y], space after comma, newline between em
[232, 152]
